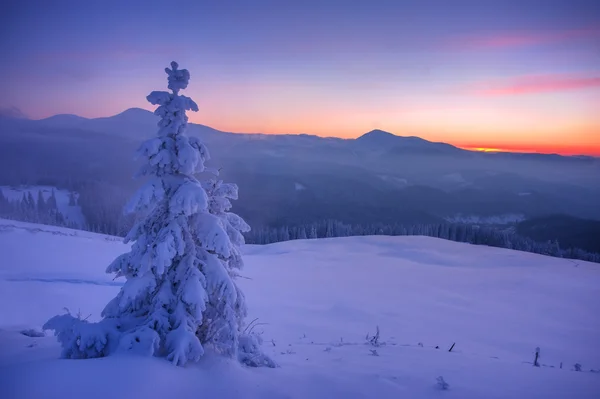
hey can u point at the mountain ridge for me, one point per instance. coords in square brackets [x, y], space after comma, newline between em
[343, 179]
[374, 139]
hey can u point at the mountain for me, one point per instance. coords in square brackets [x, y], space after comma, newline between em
[376, 178]
[133, 121]
[128, 123]
[63, 121]
[379, 139]
[130, 117]
[135, 115]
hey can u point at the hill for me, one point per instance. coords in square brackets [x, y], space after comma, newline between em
[318, 299]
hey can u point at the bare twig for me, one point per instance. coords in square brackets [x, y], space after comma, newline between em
[250, 324]
[375, 339]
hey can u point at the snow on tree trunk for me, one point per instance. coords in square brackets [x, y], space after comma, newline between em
[179, 294]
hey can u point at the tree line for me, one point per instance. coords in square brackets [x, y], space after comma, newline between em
[35, 209]
[102, 207]
[472, 234]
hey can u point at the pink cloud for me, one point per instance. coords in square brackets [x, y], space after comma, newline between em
[524, 39]
[537, 84]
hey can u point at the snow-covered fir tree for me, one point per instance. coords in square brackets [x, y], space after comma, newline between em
[179, 295]
[225, 316]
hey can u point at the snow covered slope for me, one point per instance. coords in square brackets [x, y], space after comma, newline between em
[319, 300]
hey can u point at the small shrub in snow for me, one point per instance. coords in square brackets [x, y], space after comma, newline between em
[441, 384]
[374, 340]
[180, 293]
[250, 352]
[80, 339]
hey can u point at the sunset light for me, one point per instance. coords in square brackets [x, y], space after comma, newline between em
[481, 149]
[315, 199]
[518, 76]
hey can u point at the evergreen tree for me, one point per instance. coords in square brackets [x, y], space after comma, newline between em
[72, 200]
[227, 317]
[5, 205]
[284, 234]
[177, 270]
[24, 209]
[41, 203]
[52, 203]
[302, 233]
[329, 229]
[23, 204]
[30, 201]
[273, 236]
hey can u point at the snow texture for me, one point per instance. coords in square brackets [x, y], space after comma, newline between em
[315, 301]
[179, 293]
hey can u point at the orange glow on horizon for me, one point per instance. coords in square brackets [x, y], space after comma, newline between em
[483, 149]
[545, 141]
[540, 149]
[481, 127]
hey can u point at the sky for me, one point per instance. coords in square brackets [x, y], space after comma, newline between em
[510, 75]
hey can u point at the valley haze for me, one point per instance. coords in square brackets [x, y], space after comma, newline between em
[378, 177]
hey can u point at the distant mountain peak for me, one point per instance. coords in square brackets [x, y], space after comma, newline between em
[389, 142]
[63, 119]
[376, 133]
[134, 113]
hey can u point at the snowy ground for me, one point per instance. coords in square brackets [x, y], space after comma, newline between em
[71, 212]
[320, 298]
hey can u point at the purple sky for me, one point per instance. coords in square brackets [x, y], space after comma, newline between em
[521, 75]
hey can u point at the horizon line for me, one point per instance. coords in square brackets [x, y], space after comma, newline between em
[467, 147]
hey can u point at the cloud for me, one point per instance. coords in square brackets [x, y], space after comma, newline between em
[524, 39]
[536, 84]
